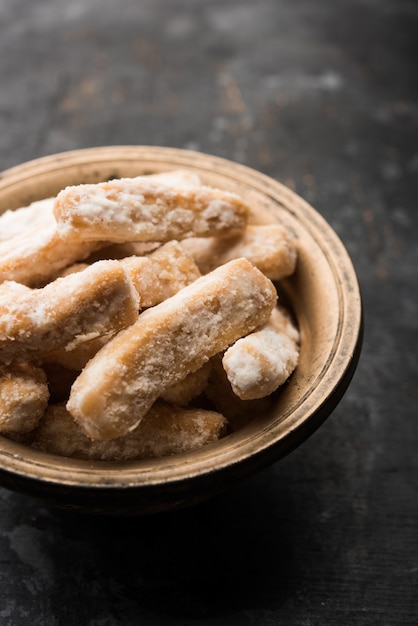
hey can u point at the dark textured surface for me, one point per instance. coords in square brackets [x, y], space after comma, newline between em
[322, 96]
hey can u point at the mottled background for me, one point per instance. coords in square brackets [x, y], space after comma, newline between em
[323, 97]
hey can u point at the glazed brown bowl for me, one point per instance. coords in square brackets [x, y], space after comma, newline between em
[323, 295]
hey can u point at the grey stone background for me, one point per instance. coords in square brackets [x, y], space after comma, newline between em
[323, 97]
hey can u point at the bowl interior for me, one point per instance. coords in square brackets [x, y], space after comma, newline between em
[323, 295]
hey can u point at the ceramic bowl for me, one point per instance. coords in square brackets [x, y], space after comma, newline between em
[323, 295]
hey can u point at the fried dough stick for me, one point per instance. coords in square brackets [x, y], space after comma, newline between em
[164, 430]
[268, 247]
[161, 273]
[142, 209]
[256, 365]
[219, 392]
[67, 312]
[31, 249]
[23, 397]
[120, 384]
[35, 215]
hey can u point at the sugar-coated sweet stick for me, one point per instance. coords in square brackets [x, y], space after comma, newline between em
[256, 365]
[164, 431]
[146, 209]
[36, 215]
[219, 392]
[161, 273]
[23, 396]
[67, 312]
[168, 341]
[269, 247]
[111, 250]
[31, 249]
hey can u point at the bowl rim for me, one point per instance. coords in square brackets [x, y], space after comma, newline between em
[264, 445]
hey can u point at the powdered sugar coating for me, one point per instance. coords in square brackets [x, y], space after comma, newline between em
[37, 215]
[31, 249]
[147, 209]
[256, 365]
[69, 311]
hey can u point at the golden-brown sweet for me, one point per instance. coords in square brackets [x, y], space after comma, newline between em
[219, 392]
[31, 249]
[120, 384]
[256, 365]
[36, 215]
[164, 430]
[161, 273]
[269, 247]
[67, 312]
[146, 209]
[23, 397]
